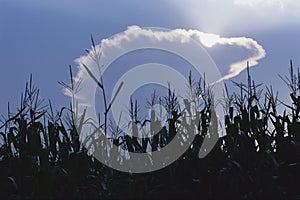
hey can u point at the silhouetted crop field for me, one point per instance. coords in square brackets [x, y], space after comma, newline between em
[258, 158]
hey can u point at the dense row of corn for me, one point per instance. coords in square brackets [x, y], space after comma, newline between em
[41, 154]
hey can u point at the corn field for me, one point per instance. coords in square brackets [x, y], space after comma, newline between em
[41, 155]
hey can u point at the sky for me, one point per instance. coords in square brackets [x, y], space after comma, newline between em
[45, 37]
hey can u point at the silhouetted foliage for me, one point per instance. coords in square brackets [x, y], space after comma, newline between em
[258, 158]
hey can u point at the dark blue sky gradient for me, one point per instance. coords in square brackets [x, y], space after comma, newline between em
[44, 37]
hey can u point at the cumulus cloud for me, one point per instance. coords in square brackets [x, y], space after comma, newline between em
[208, 40]
[114, 46]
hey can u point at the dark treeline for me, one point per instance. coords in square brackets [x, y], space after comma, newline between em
[258, 158]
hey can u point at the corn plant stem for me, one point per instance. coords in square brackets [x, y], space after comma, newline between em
[100, 84]
[103, 93]
[105, 105]
[106, 108]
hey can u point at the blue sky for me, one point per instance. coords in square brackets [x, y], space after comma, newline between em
[44, 37]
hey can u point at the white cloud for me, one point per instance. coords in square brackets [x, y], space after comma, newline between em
[209, 40]
[117, 44]
[206, 39]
